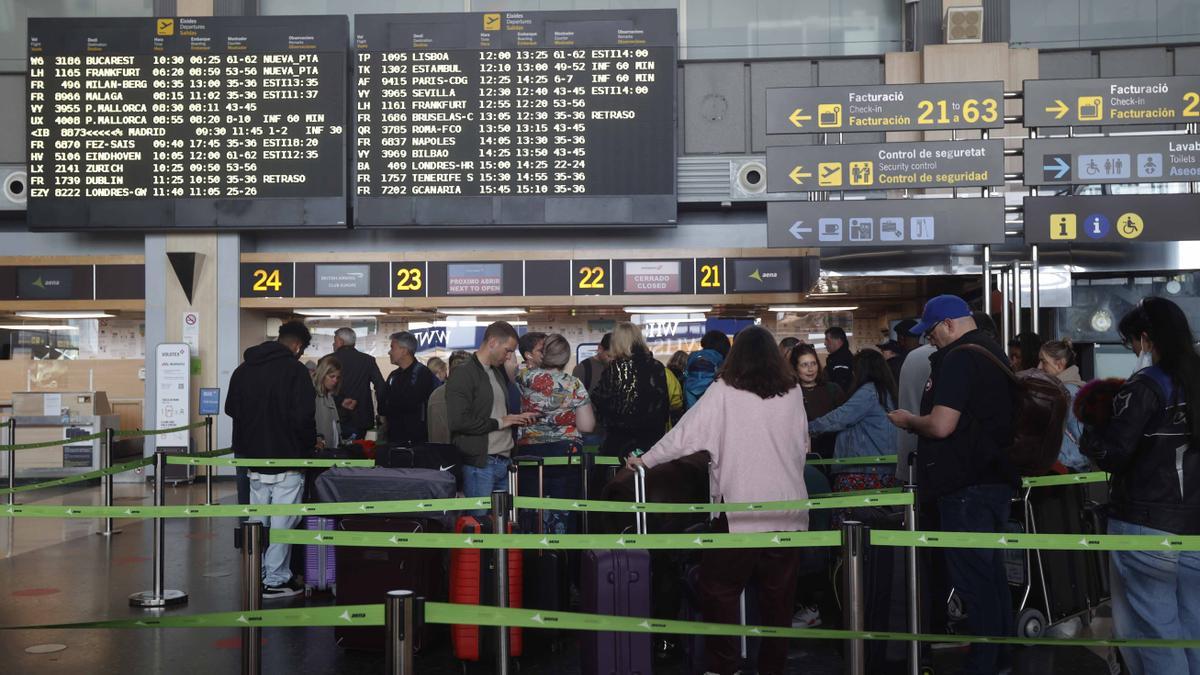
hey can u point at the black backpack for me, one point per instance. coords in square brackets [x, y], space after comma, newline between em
[1040, 405]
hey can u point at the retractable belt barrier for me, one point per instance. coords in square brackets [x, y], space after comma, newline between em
[844, 461]
[92, 437]
[1067, 479]
[431, 505]
[194, 460]
[484, 615]
[79, 478]
[1039, 542]
[560, 542]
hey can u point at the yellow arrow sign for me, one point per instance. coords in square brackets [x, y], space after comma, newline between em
[796, 118]
[1059, 109]
[797, 174]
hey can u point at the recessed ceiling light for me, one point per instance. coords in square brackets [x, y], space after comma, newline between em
[481, 311]
[33, 326]
[65, 315]
[666, 310]
[339, 313]
[849, 308]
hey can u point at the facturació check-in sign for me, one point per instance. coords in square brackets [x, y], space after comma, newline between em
[885, 166]
[885, 107]
[1109, 101]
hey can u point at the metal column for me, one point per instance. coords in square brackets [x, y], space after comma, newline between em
[12, 462]
[1005, 304]
[1016, 274]
[914, 583]
[500, 522]
[106, 483]
[987, 279]
[1035, 291]
[400, 627]
[208, 470]
[158, 596]
[854, 538]
[252, 550]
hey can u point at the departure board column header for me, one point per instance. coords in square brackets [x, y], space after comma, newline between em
[182, 122]
[515, 118]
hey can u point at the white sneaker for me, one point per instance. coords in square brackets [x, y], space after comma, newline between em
[806, 617]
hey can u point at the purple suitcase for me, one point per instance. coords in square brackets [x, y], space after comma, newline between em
[318, 560]
[617, 583]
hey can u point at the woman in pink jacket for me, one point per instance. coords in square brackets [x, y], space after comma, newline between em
[751, 420]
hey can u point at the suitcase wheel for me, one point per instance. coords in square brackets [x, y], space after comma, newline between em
[1031, 623]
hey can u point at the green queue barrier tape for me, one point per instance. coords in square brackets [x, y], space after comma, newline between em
[412, 506]
[102, 434]
[51, 444]
[484, 615]
[843, 461]
[280, 463]
[1068, 479]
[1040, 542]
[214, 453]
[100, 473]
[835, 502]
[240, 510]
[559, 542]
[156, 432]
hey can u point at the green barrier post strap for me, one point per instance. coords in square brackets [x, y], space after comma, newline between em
[484, 615]
[156, 432]
[843, 461]
[1042, 542]
[51, 444]
[279, 463]
[240, 510]
[559, 542]
[119, 468]
[1068, 479]
[794, 505]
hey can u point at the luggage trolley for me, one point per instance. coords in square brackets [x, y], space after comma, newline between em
[1053, 587]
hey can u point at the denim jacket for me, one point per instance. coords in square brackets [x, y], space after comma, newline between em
[864, 430]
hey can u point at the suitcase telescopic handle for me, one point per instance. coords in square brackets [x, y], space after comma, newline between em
[540, 462]
[639, 496]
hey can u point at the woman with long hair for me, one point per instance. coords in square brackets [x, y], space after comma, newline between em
[862, 426]
[751, 421]
[327, 380]
[820, 395]
[631, 398]
[1057, 358]
[1151, 447]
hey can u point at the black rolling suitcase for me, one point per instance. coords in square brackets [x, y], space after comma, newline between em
[366, 574]
[1064, 578]
[546, 582]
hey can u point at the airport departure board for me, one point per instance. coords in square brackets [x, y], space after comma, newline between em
[208, 122]
[514, 118]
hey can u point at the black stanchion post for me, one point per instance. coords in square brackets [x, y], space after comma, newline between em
[252, 551]
[500, 522]
[12, 461]
[854, 538]
[208, 453]
[158, 596]
[399, 623]
[107, 481]
[586, 460]
[914, 584]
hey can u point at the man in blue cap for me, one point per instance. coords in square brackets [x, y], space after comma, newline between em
[964, 426]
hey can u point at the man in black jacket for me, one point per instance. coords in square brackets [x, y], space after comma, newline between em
[964, 426]
[272, 402]
[837, 364]
[408, 390]
[360, 372]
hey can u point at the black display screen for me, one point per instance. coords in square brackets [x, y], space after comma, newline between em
[515, 118]
[159, 123]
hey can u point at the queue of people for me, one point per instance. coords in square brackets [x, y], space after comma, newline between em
[759, 408]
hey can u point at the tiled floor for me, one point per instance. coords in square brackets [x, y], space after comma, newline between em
[58, 571]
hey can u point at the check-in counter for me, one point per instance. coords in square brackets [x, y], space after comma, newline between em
[55, 416]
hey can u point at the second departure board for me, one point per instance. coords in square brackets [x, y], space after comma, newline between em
[178, 122]
[514, 118]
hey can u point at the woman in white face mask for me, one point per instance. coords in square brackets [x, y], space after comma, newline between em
[1151, 446]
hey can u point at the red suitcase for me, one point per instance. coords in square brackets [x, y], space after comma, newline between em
[472, 582]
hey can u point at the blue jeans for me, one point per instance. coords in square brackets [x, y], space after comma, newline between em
[1155, 595]
[978, 574]
[282, 488]
[481, 482]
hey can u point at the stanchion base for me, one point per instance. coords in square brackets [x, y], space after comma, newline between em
[108, 533]
[151, 599]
